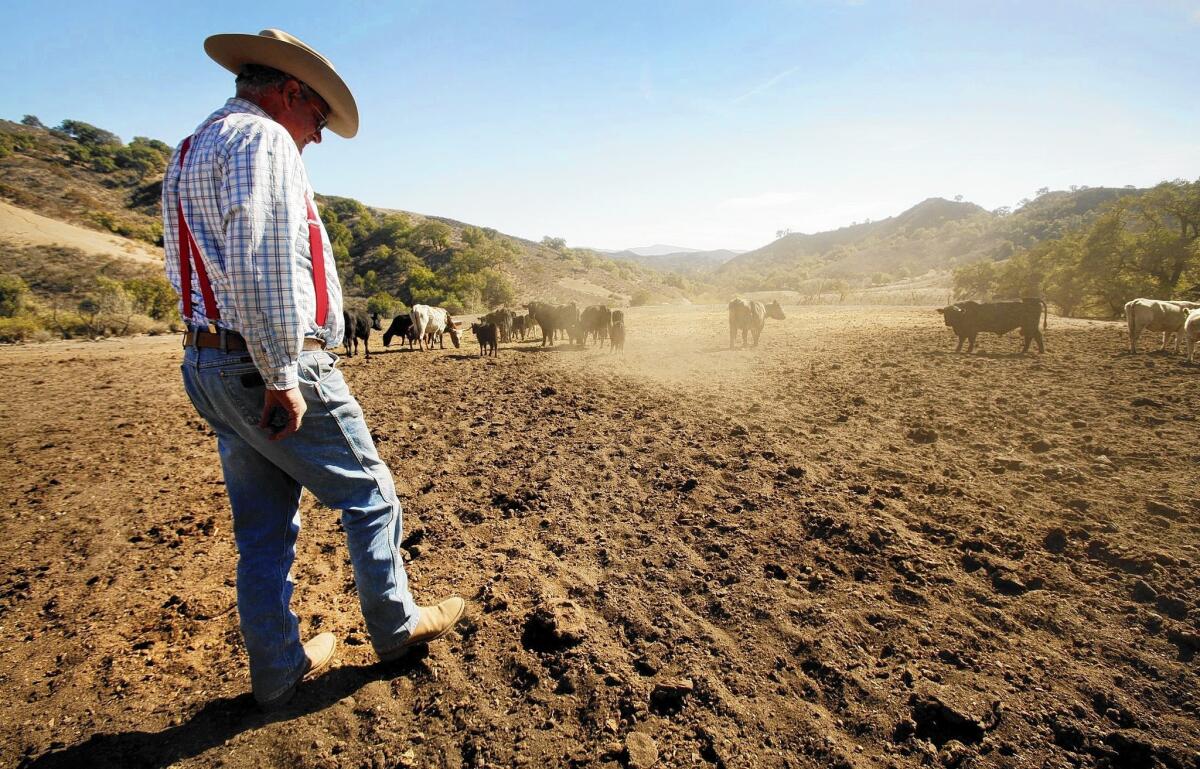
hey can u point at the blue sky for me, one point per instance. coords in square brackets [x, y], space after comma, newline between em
[700, 124]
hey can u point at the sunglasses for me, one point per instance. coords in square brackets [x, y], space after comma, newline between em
[324, 121]
[311, 97]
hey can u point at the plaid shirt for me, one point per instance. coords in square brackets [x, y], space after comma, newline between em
[245, 194]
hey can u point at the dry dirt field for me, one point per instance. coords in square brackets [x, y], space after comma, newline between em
[849, 547]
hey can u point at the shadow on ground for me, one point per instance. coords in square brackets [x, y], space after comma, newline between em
[219, 721]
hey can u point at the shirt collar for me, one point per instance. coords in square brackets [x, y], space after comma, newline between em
[234, 104]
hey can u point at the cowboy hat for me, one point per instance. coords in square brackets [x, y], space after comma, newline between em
[279, 50]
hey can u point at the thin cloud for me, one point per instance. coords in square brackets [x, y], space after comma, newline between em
[767, 200]
[646, 85]
[766, 85]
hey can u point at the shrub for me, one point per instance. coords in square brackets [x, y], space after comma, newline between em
[14, 294]
[385, 304]
[497, 289]
[23, 328]
[640, 298]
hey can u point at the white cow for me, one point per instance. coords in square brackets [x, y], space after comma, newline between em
[1156, 315]
[429, 323]
[1191, 332]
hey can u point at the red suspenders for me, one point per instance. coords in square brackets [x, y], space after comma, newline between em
[188, 251]
[187, 247]
[317, 249]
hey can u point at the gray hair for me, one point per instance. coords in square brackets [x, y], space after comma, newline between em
[257, 79]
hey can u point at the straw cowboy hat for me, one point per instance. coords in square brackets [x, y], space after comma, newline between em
[276, 48]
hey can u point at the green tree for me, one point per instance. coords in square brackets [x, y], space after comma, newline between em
[497, 290]
[88, 134]
[430, 235]
[975, 281]
[153, 297]
[386, 305]
[1066, 283]
[14, 295]
[1107, 260]
[145, 157]
[1170, 215]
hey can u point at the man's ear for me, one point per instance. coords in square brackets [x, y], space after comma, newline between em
[292, 93]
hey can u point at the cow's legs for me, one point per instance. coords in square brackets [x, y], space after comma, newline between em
[961, 339]
[367, 348]
[971, 344]
[732, 335]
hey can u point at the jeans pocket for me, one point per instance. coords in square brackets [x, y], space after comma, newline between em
[245, 389]
[316, 367]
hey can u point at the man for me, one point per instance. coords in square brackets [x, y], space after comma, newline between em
[262, 302]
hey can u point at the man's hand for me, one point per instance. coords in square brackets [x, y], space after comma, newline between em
[282, 412]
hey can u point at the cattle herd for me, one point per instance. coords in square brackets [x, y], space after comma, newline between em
[425, 326]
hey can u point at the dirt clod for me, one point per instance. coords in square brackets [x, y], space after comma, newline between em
[1055, 540]
[641, 752]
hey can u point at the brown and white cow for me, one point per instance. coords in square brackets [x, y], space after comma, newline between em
[749, 318]
[429, 323]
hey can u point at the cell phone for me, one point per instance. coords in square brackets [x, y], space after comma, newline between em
[277, 420]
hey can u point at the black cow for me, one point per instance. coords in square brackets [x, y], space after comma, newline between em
[970, 317]
[546, 316]
[568, 321]
[401, 327]
[520, 324]
[617, 335]
[502, 319]
[595, 321]
[358, 326]
[486, 333]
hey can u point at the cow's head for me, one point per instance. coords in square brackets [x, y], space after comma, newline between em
[452, 330]
[375, 322]
[951, 314]
[775, 311]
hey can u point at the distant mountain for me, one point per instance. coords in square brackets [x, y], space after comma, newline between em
[660, 249]
[678, 261]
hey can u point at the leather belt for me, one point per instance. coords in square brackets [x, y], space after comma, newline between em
[233, 341]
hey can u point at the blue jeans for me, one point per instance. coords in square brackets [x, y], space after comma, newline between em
[333, 457]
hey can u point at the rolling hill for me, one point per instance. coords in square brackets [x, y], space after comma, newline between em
[936, 234]
[87, 181]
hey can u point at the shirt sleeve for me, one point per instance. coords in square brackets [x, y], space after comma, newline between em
[263, 210]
